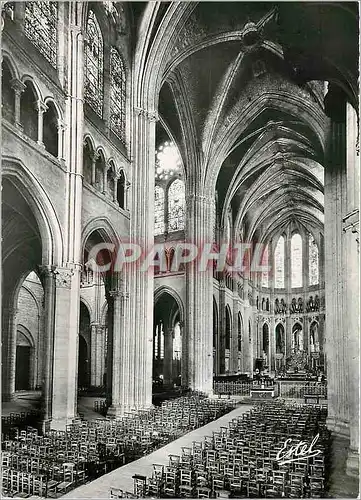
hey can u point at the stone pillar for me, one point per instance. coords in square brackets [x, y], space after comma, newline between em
[168, 356]
[65, 352]
[222, 326]
[122, 356]
[234, 338]
[48, 282]
[93, 354]
[335, 264]
[140, 282]
[94, 160]
[40, 107]
[61, 128]
[199, 324]
[67, 276]
[9, 352]
[351, 229]
[18, 88]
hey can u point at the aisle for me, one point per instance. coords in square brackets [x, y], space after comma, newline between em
[122, 477]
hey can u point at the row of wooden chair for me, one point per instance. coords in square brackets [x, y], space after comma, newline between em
[241, 460]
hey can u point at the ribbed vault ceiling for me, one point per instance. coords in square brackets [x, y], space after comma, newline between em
[243, 99]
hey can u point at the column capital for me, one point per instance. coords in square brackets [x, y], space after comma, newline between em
[119, 293]
[61, 125]
[40, 106]
[152, 116]
[18, 86]
[63, 276]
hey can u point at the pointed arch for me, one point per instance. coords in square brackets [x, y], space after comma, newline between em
[44, 212]
[94, 65]
[279, 263]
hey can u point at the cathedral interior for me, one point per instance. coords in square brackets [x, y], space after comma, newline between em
[139, 141]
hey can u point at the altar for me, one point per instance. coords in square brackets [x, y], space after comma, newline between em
[262, 393]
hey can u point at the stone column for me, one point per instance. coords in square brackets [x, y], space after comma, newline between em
[351, 229]
[168, 356]
[18, 88]
[66, 340]
[40, 107]
[199, 324]
[9, 352]
[222, 326]
[67, 277]
[48, 282]
[61, 128]
[234, 338]
[122, 355]
[335, 264]
[93, 353]
[94, 160]
[140, 325]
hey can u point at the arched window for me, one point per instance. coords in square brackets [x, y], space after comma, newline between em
[88, 155]
[28, 112]
[50, 129]
[239, 332]
[249, 331]
[158, 210]
[265, 274]
[99, 172]
[167, 161]
[117, 95]
[265, 339]
[7, 93]
[279, 265]
[227, 343]
[121, 190]
[313, 262]
[40, 26]
[296, 261]
[94, 65]
[176, 205]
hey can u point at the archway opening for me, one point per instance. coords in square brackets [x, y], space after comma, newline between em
[7, 93]
[167, 343]
[84, 351]
[280, 347]
[95, 288]
[265, 345]
[23, 360]
[23, 294]
[50, 129]
[28, 112]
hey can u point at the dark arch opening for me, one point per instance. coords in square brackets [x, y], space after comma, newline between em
[7, 93]
[28, 112]
[88, 155]
[167, 343]
[50, 129]
[121, 190]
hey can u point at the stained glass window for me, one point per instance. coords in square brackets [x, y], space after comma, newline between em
[176, 205]
[167, 161]
[296, 261]
[158, 210]
[313, 261]
[279, 263]
[117, 94]
[94, 64]
[40, 26]
[265, 274]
